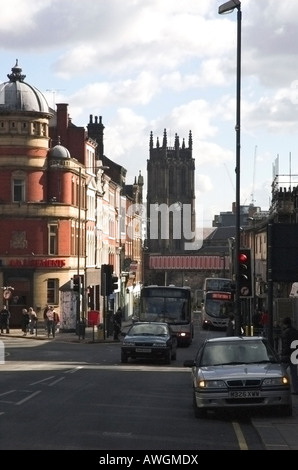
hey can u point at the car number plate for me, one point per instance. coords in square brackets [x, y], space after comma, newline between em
[244, 394]
[143, 350]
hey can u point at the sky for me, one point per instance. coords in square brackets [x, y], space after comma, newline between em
[150, 65]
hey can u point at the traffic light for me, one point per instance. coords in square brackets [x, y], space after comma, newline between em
[106, 279]
[78, 282]
[114, 283]
[245, 273]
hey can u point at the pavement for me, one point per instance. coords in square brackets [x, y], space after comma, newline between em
[276, 432]
[89, 334]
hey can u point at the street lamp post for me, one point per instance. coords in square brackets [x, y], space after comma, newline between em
[227, 8]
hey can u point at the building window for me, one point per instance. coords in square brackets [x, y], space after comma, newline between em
[53, 239]
[53, 291]
[18, 190]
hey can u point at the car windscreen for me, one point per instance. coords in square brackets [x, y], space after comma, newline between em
[241, 352]
[155, 330]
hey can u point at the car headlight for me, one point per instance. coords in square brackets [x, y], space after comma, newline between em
[129, 344]
[160, 345]
[211, 383]
[273, 381]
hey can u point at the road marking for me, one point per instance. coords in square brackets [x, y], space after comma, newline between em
[240, 438]
[56, 381]
[28, 398]
[43, 380]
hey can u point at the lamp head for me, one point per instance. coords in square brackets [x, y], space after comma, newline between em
[229, 6]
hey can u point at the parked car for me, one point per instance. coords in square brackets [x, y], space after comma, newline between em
[239, 372]
[150, 340]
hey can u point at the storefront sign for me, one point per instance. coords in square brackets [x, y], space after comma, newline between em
[37, 263]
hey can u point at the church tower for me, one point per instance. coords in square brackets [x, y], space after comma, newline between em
[170, 197]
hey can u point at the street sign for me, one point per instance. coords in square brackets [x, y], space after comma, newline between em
[7, 294]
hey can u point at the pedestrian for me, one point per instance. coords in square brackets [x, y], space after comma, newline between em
[33, 320]
[265, 323]
[288, 335]
[256, 321]
[117, 323]
[25, 321]
[4, 319]
[56, 321]
[45, 311]
[276, 336]
[231, 326]
[52, 320]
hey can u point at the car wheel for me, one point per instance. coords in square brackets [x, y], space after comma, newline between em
[123, 357]
[199, 412]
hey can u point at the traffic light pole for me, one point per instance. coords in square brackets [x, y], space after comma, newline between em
[228, 7]
[238, 317]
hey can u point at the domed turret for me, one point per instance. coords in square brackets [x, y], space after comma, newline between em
[17, 95]
[59, 152]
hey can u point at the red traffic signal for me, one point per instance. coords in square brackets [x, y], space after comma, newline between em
[243, 258]
[245, 272]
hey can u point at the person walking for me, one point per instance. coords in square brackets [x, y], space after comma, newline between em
[265, 323]
[231, 326]
[117, 323]
[25, 321]
[33, 320]
[288, 335]
[276, 336]
[45, 311]
[4, 319]
[52, 320]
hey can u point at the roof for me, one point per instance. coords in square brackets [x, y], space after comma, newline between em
[229, 339]
[17, 95]
[59, 151]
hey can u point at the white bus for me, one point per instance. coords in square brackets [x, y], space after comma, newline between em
[169, 304]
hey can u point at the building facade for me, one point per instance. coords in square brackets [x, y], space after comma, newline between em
[60, 208]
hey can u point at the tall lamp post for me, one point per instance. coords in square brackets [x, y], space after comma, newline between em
[228, 7]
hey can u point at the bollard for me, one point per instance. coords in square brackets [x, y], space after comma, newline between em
[100, 331]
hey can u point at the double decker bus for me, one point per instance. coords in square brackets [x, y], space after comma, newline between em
[217, 284]
[217, 303]
[169, 304]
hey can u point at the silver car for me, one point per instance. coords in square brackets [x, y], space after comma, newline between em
[239, 372]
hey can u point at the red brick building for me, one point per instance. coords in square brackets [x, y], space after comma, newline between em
[59, 207]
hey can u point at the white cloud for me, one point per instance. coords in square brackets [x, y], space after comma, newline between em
[155, 65]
